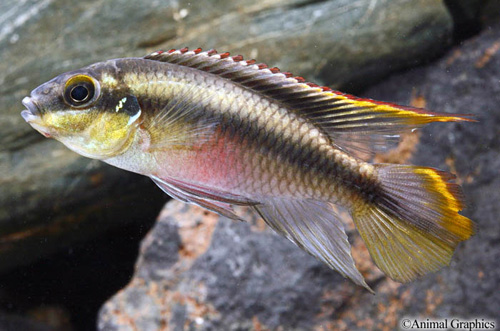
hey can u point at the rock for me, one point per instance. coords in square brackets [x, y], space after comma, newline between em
[53, 198]
[338, 42]
[199, 271]
[50, 197]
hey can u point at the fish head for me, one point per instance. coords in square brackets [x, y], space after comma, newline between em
[88, 110]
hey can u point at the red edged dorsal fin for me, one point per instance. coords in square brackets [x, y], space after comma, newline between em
[237, 58]
[359, 126]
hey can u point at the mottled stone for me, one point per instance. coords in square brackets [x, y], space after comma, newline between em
[198, 270]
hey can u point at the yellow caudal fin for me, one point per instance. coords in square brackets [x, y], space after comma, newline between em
[413, 226]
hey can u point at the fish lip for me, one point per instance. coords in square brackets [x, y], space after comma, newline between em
[32, 115]
[31, 108]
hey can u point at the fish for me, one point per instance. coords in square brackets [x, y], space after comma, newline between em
[219, 131]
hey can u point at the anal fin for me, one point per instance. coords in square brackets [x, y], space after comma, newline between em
[313, 226]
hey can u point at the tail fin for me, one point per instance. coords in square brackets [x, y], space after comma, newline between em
[413, 227]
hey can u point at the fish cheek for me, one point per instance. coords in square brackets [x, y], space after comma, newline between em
[110, 134]
[67, 123]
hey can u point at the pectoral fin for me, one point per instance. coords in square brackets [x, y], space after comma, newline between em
[184, 118]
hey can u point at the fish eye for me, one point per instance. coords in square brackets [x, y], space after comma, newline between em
[81, 91]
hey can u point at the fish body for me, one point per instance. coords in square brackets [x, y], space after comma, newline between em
[220, 131]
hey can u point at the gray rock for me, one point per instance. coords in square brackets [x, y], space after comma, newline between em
[199, 271]
[50, 197]
[337, 42]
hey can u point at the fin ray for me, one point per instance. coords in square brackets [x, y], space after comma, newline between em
[359, 126]
[413, 226]
[184, 120]
[209, 198]
[313, 226]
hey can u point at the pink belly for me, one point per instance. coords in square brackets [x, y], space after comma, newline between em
[218, 164]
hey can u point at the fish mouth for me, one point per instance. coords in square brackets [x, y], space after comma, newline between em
[32, 115]
[31, 112]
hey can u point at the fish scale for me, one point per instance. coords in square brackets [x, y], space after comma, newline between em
[219, 131]
[290, 132]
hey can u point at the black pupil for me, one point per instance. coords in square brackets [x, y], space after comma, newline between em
[79, 93]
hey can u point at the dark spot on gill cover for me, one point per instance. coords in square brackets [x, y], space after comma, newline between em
[131, 106]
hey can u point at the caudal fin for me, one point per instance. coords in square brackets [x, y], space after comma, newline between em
[413, 226]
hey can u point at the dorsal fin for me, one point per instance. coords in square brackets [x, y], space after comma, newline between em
[358, 126]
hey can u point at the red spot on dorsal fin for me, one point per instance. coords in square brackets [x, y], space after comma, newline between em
[312, 85]
[211, 52]
[171, 51]
[196, 51]
[251, 62]
[287, 74]
[275, 70]
[299, 79]
[237, 58]
[325, 88]
[262, 66]
[224, 55]
[183, 50]
[159, 52]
